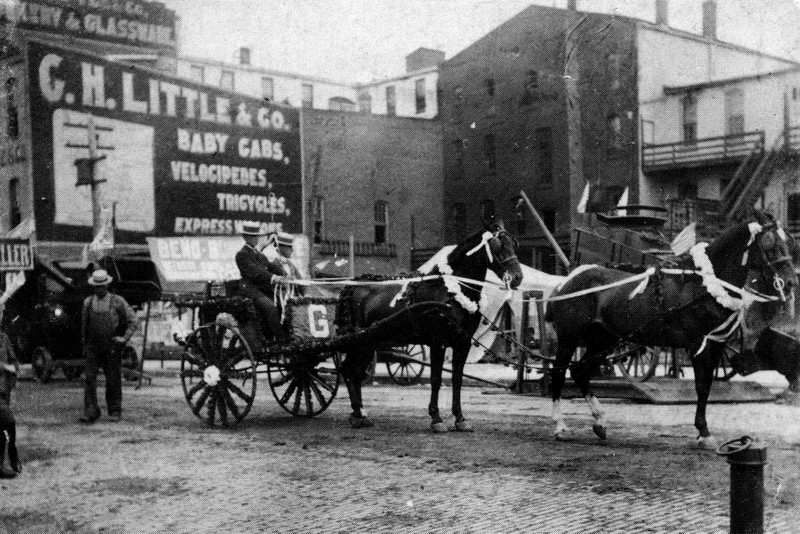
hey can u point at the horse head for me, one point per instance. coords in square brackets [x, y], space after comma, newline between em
[770, 262]
[490, 248]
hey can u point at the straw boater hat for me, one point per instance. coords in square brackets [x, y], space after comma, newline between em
[100, 278]
[253, 229]
[281, 239]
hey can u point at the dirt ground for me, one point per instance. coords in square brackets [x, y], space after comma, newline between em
[162, 470]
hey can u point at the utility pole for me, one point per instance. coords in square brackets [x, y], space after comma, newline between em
[87, 175]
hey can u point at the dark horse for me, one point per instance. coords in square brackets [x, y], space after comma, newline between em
[361, 306]
[676, 310]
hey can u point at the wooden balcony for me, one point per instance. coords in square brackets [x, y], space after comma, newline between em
[360, 248]
[728, 149]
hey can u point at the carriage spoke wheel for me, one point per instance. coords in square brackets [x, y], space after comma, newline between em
[304, 386]
[640, 365]
[403, 371]
[42, 364]
[218, 373]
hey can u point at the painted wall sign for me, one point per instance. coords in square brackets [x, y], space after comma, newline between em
[179, 158]
[15, 254]
[132, 22]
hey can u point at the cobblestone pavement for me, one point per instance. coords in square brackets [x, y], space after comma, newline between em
[161, 470]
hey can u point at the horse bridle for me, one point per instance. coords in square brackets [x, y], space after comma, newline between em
[777, 282]
[506, 275]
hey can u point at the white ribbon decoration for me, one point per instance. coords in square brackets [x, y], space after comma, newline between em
[643, 284]
[454, 286]
[487, 235]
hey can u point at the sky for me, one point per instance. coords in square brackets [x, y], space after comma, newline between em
[362, 40]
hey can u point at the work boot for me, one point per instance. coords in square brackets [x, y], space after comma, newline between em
[89, 417]
[7, 473]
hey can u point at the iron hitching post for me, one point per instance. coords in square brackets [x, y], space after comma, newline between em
[747, 458]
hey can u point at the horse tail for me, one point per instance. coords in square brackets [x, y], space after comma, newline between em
[344, 309]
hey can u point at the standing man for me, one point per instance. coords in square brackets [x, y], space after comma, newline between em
[104, 316]
[9, 369]
[259, 277]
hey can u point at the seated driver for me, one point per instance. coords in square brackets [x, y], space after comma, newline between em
[259, 277]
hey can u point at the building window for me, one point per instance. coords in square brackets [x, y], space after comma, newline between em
[197, 73]
[690, 119]
[734, 111]
[531, 81]
[12, 118]
[319, 219]
[391, 101]
[793, 211]
[458, 220]
[490, 152]
[419, 95]
[226, 80]
[381, 221]
[267, 88]
[458, 159]
[487, 209]
[544, 162]
[488, 83]
[615, 132]
[308, 95]
[365, 102]
[15, 214]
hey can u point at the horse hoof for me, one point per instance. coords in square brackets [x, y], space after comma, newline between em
[708, 443]
[360, 422]
[438, 428]
[464, 426]
[600, 430]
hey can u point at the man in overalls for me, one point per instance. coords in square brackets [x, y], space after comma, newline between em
[104, 315]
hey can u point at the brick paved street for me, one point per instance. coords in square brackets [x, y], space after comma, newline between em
[161, 470]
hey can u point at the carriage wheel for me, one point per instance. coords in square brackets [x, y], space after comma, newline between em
[218, 373]
[42, 364]
[402, 371]
[305, 386]
[641, 365]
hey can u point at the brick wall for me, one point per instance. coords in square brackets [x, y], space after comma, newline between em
[354, 160]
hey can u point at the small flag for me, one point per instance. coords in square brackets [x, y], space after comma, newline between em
[686, 239]
[623, 201]
[24, 229]
[584, 199]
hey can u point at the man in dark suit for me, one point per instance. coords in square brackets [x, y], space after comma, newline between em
[259, 277]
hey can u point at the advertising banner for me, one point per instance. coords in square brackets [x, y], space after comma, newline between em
[178, 158]
[15, 254]
[131, 22]
[195, 259]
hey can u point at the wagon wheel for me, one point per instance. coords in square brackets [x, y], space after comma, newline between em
[218, 373]
[403, 371]
[42, 364]
[731, 351]
[306, 385]
[641, 364]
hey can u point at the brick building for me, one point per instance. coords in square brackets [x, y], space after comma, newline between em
[550, 101]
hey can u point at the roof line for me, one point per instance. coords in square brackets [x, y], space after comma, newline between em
[679, 89]
[251, 68]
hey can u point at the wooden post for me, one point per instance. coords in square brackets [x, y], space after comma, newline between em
[352, 256]
[553, 242]
[522, 337]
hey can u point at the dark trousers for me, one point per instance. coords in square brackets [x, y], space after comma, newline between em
[110, 360]
[268, 313]
[8, 428]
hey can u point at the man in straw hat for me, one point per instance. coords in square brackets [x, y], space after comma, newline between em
[107, 323]
[259, 276]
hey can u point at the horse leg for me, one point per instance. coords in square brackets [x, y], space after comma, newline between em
[13, 455]
[558, 375]
[704, 365]
[582, 375]
[460, 352]
[437, 363]
[354, 370]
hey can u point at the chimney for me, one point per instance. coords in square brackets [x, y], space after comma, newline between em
[662, 12]
[572, 5]
[244, 56]
[710, 19]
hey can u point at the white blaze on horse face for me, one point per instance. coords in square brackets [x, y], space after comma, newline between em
[597, 410]
[558, 418]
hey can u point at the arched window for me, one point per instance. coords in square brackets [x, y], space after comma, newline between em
[615, 132]
[381, 221]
